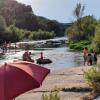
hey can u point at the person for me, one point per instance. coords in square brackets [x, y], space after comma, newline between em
[4, 47]
[85, 54]
[95, 56]
[41, 55]
[30, 59]
[89, 59]
[1, 51]
[9, 45]
[27, 57]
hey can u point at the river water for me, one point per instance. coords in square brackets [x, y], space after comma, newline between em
[62, 57]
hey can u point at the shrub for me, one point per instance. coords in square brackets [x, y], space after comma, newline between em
[79, 45]
[51, 96]
[93, 78]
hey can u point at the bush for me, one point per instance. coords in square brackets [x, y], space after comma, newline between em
[51, 96]
[2, 24]
[79, 45]
[93, 46]
[93, 78]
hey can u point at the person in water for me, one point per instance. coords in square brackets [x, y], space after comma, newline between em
[85, 54]
[95, 56]
[89, 59]
[27, 57]
[41, 55]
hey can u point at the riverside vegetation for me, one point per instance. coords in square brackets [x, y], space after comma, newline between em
[18, 22]
[85, 31]
[92, 77]
[51, 96]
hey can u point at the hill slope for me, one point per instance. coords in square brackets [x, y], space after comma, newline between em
[23, 17]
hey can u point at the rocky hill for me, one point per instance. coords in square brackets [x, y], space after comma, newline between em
[23, 17]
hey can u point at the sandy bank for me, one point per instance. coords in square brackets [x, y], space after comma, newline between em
[58, 79]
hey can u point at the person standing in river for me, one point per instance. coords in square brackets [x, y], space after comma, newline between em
[9, 46]
[85, 54]
[89, 59]
[4, 47]
[95, 56]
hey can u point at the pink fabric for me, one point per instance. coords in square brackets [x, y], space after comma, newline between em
[19, 77]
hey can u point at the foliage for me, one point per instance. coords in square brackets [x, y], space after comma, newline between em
[51, 96]
[79, 45]
[82, 30]
[93, 78]
[87, 29]
[11, 9]
[24, 18]
[16, 33]
[2, 24]
[96, 40]
[27, 21]
[33, 35]
[39, 35]
[78, 11]
[1, 3]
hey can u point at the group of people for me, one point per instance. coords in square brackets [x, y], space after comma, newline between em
[27, 56]
[5, 46]
[90, 58]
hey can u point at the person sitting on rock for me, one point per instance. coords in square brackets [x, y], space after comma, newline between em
[27, 57]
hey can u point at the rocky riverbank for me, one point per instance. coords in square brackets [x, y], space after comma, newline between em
[63, 81]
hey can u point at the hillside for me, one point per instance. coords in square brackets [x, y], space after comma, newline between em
[23, 17]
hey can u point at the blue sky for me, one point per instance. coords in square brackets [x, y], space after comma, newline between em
[62, 10]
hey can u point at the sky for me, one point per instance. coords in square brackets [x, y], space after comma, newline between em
[62, 10]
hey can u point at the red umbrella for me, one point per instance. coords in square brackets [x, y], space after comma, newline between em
[19, 77]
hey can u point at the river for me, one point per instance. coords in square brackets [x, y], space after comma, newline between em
[62, 57]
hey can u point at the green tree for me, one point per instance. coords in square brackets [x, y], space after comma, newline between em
[1, 3]
[87, 29]
[2, 24]
[79, 11]
[96, 39]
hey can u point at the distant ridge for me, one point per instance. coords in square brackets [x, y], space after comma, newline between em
[23, 17]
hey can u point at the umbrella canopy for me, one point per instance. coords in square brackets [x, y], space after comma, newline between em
[19, 77]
